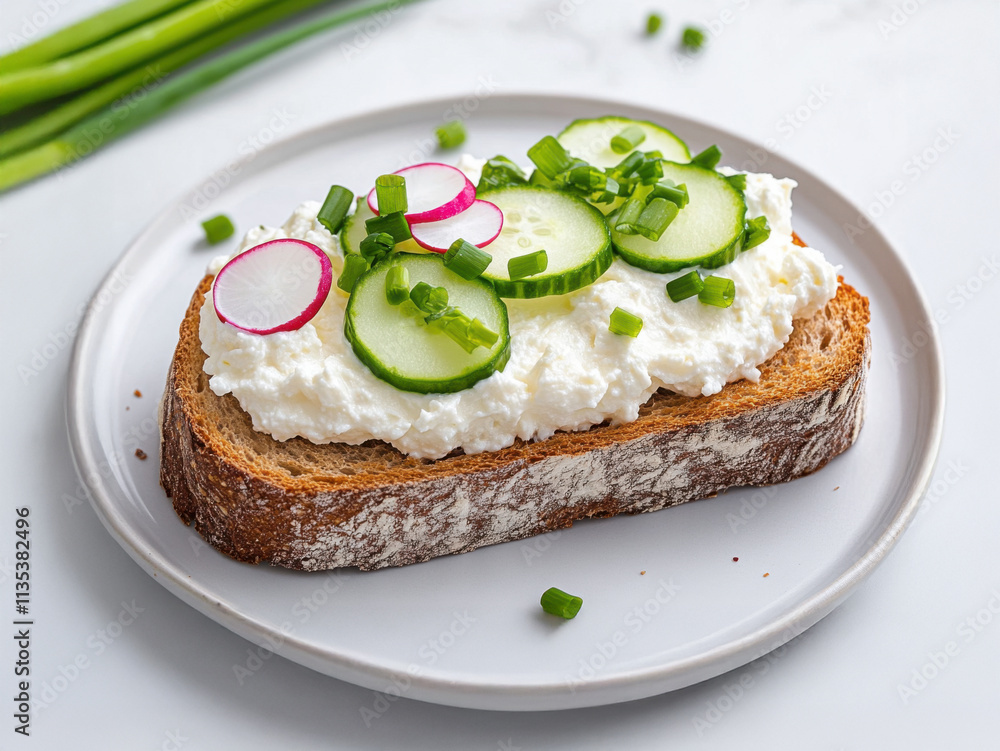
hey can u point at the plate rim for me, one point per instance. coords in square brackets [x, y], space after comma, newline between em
[435, 686]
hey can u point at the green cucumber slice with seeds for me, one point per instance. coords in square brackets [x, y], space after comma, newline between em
[354, 231]
[399, 348]
[707, 232]
[590, 139]
[573, 234]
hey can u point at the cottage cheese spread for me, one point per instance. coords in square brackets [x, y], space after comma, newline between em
[567, 371]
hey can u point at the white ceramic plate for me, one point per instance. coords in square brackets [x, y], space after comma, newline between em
[467, 630]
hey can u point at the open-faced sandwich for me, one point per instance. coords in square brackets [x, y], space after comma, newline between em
[476, 354]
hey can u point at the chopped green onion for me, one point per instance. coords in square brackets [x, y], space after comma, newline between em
[455, 325]
[676, 194]
[655, 218]
[738, 181]
[375, 246]
[650, 171]
[627, 166]
[218, 228]
[587, 178]
[397, 285]
[653, 23]
[538, 179]
[451, 134]
[628, 139]
[466, 260]
[756, 232]
[482, 334]
[550, 157]
[718, 291]
[629, 213]
[685, 286]
[624, 323]
[529, 264]
[556, 602]
[429, 299]
[354, 267]
[708, 158]
[334, 210]
[500, 172]
[393, 224]
[466, 332]
[611, 190]
[693, 38]
[391, 193]
[409, 309]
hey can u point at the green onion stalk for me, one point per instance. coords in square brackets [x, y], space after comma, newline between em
[21, 88]
[107, 125]
[136, 83]
[88, 32]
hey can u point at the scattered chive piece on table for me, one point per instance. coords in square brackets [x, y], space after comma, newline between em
[393, 224]
[757, 231]
[451, 134]
[718, 291]
[550, 157]
[628, 139]
[685, 286]
[707, 158]
[466, 260]
[655, 218]
[397, 285]
[334, 210]
[354, 267]
[556, 602]
[218, 228]
[653, 23]
[693, 38]
[391, 193]
[624, 323]
[529, 264]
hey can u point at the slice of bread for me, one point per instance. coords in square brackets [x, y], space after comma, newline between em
[308, 506]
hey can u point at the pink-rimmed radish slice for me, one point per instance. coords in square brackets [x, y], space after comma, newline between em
[480, 224]
[276, 286]
[434, 191]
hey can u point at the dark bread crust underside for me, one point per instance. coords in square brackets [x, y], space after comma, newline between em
[304, 506]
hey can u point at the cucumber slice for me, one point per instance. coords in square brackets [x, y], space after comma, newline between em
[354, 231]
[707, 232]
[403, 351]
[572, 233]
[590, 139]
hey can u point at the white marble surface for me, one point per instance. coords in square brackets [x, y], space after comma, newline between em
[856, 91]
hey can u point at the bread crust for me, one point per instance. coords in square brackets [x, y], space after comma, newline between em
[257, 499]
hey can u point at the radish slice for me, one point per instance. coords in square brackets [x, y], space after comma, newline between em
[433, 192]
[480, 224]
[276, 286]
